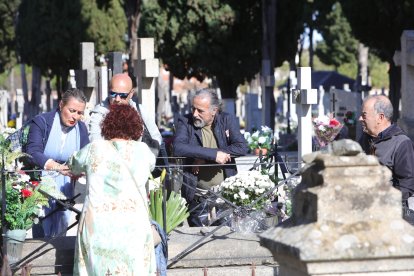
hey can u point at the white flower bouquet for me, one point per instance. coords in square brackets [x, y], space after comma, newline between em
[326, 129]
[260, 139]
[246, 187]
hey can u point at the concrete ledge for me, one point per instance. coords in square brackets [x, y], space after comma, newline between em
[223, 248]
[225, 271]
[223, 253]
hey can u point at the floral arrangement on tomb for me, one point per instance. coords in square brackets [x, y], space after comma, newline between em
[246, 187]
[349, 119]
[326, 129]
[24, 201]
[260, 139]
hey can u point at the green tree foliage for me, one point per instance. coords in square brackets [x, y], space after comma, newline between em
[313, 17]
[49, 32]
[106, 24]
[219, 39]
[8, 11]
[338, 45]
[379, 25]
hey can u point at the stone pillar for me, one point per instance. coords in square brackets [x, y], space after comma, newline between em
[19, 108]
[146, 68]
[305, 96]
[4, 99]
[115, 63]
[406, 120]
[346, 220]
[85, 76]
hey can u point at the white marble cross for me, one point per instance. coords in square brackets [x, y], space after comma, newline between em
[147, 69]
[304, 96]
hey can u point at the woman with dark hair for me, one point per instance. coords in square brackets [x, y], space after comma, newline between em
[114, 234]
[53, 138]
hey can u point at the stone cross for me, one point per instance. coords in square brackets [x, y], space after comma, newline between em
[406, 59]
[146, 68]
[304, 96]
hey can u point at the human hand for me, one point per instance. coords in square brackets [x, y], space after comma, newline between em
[222, 157]
[196, 168]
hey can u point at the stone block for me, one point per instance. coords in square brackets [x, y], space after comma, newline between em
[87, 55]
[115, 62]
[85, 78]
[150, 68]
[145, 48]
[304, 78]
[347, 220]
[308, 96]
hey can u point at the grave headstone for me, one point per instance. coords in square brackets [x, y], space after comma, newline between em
[346, 103]
[253, 112]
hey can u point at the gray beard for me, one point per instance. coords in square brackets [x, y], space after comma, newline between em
[199, 123]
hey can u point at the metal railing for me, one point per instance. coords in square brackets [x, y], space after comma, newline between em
[174, 169]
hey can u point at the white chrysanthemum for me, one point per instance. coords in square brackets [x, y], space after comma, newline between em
[24, 177]
[266, 129]
[247, 135]
[255, 134]
[322, 128]
[262, 140]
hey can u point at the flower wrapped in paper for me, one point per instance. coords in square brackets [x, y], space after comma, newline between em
[326, 129]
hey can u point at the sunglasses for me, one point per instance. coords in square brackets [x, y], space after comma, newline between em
[113, 94]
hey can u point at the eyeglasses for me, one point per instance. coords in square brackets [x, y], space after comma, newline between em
[113, 94]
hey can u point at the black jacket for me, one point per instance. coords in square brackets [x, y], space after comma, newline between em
[188, 143]
[395, 150]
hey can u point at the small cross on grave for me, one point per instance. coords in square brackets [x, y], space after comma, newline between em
[108, 273]
[304, 96]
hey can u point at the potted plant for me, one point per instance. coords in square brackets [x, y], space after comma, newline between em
[260, 140]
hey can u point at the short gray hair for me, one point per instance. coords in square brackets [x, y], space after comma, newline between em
[212, 94]
[73, 93]
[382, 105]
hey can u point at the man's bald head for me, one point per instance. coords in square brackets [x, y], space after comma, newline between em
[121, 83]
[121, 86]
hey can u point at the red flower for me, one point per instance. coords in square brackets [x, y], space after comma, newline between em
[26, 193]
[334, 122]
[35, 183]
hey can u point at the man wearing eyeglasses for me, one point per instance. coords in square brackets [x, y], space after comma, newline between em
[391, 145]
[121, 92]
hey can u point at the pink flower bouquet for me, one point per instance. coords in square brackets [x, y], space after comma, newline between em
[326, 129]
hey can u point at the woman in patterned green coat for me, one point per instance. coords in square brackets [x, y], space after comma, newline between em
[114, 235]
